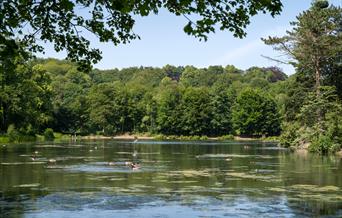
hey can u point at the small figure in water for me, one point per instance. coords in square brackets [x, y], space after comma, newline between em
[34, 156]
[52, 160]
[135, 166]
[135, 139]
[111, 163]
[246, 147]
[128, 163]
[135, 154]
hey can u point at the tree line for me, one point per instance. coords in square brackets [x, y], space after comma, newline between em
[213, 101]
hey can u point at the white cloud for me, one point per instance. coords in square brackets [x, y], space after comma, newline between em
[249, 53]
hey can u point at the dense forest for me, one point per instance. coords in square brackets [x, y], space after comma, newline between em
[305, 109]
[213, 101]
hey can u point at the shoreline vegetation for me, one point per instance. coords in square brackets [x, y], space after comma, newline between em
[302, 111]
[302, 150]
[60, 136]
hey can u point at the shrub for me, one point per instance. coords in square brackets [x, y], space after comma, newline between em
[4, 139]
[226, 137]
[160, 137]
[204, 137]
[12, 133]
[48, 134]
[323, 144]
[289, 135]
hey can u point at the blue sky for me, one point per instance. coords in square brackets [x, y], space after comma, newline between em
[164, 42]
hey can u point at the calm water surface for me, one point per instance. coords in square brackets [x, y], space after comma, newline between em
[175, 179]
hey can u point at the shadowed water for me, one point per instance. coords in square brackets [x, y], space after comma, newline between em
[175, 179]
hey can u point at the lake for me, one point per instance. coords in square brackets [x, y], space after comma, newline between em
[175, 179]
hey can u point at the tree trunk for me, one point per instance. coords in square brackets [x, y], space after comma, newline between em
[317, 79]
[318, 94]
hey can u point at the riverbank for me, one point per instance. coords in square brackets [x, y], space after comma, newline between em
[175, 137]
[59, 136]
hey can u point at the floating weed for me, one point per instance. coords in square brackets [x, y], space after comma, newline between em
[234, 156]
[276, 189]
[49, 146]
[238, 167]
[190, 173]
[314, 188]
[163, 190]
[117, 179]
[24, 163]
[183, 182]
[140, 186]
[32, 185]
[232, 179]
[320, 197]
[160, 180]
[242, 175]
[329, 188]
[310, 192]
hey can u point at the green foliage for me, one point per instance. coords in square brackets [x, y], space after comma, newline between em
[12, 133]
[255, 114]
[25, 93]
[63, 22]
[323, 145]
[195, 110]
[313, 111]
[226, 137]
[4, 139]
[49, 134]
[315, 43]
[167, 101]
[289, 135]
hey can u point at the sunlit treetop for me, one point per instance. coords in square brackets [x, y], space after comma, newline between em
[65, 22]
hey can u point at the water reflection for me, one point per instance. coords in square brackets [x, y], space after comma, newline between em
[188, 179]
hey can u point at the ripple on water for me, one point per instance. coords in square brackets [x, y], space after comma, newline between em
[92, 204]
[103, 167]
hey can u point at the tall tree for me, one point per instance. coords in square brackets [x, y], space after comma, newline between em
[315, 45]
[314, 42]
